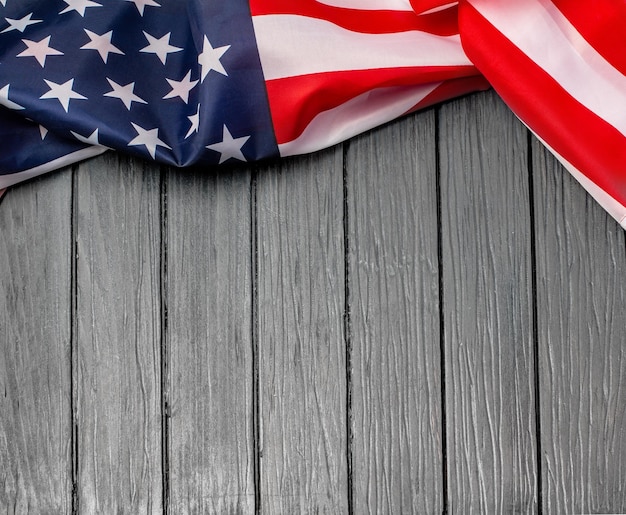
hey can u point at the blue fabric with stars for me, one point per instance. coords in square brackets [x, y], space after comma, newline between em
[171, 80]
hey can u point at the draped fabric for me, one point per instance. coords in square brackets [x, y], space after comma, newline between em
[208, 82]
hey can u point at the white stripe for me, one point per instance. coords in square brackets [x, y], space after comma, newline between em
[79, 155]
[541, 31]
[292, 45]
[612, 206]
[440, 8]
[370, 5]
[355, 116]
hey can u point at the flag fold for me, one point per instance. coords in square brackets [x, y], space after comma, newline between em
[208, 82]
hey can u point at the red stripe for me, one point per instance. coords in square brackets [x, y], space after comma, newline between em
[442, 23]
[295, 101]
[602, 24]
[453, 88]
[590, 144]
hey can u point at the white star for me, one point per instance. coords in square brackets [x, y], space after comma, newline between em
[62, 92]
[160, 47]
[124, 93]
[148, 138]
[4, 99]
[43, 131]
[39, 50]
[92, 139]
[209, 59]
[3, 2]
[102, 44]
[195, 123]
[20, 24]
[181, 88]
[229, 146]
[141, 4]
[79, 6]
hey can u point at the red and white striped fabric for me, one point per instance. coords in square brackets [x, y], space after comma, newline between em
[335, 68]
[560, 66]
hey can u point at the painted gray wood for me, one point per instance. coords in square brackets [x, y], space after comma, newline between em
[341, 420]
[35, 306]
[581, 293]
[301, 345]
[209, 347]
[397, 430]
[117, 356]
[487, 309]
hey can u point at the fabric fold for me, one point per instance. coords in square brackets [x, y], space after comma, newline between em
[204, 83]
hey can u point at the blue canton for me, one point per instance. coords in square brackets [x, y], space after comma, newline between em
[179, 82]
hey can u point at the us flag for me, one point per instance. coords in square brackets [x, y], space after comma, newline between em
[210, 82]
[560, 65]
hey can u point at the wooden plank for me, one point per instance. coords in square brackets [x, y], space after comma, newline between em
[35, 355]
[301, 348]
[117, 366]
[397, 429]
[487, 308]
[581, 266]
[209, 299]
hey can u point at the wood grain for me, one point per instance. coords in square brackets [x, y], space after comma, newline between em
[35, 379]
[117, 365]
[247, 274]
[301, 347]
[487, 308]
[209, 299]
[581, 266]
[397, 429]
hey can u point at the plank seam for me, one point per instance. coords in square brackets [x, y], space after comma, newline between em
[73, 342]
[442, 340]
[535, 316]
[165, 408]
[254, 339]
[347, 329]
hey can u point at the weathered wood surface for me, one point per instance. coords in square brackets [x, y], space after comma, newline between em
[209, 373]
[426, 319]
[581, 294]
[36, 453]
[487, 309]
[116, 366]
[300, 334]
[396, 415]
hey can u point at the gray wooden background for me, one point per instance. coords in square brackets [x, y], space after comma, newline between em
[427, 319]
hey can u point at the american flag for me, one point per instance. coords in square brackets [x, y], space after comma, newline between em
[175, 81]
[560, 65]
[209, 82]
